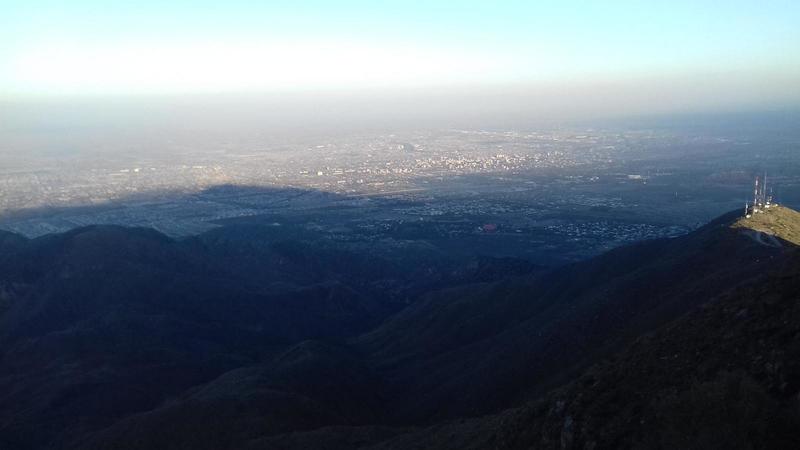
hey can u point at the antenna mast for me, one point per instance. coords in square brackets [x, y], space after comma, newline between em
[755, 196]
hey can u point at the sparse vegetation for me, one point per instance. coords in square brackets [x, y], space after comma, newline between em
[778, 221]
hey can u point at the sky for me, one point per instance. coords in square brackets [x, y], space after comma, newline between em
[685, 53]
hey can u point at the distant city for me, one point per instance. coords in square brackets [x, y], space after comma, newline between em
[576, 193]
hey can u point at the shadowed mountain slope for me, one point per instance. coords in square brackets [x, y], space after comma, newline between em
[724, 376]
[482, 348]
[123, 338]
[104, 321]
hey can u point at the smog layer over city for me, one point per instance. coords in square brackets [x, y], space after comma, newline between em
[550, 193]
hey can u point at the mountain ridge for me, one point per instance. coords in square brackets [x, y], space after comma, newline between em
[237, 356]
[723, 376]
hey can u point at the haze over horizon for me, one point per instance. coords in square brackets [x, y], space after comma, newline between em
[553, 59]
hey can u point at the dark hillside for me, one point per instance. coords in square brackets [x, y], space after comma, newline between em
[114, 338]
[102, 322]
[481, 348]
[726, 376]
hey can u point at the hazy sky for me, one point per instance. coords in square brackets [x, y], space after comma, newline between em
[733, 52]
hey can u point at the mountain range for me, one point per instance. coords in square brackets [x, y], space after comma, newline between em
[245, 338]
